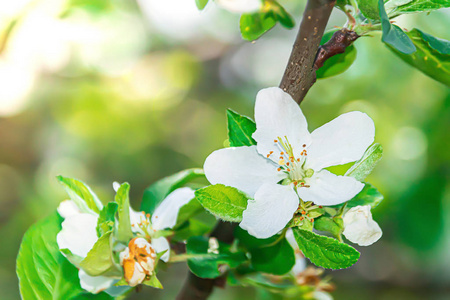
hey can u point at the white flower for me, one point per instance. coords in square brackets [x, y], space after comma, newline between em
[240, 6]
[79, 234]
[287, 153]
[360, 228]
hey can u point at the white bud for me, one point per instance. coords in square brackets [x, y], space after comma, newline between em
[68, 208]
[116, 186]
[360, 228]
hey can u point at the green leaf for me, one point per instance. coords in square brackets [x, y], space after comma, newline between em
[153, 282]
[394, 35]
[124, 233]
[81, 194]
[369, 8]
[44, 273]
[281, 15]
[88, 296]
[338, 63]
[224, 202]
[432, 56]
[324, 251]
[106, 218]
[201, 4]
[73, 258]
[188, 211]
[100, 259]
[206, 265]
[367, 163]
[329, 225]
[240, 129]
[157, 192]
[422, 6]
[255, 25]
[273, 255]
[368, 196]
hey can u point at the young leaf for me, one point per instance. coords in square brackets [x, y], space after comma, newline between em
[44, 273]
[432, 56]
[205, 264]
[157, 192]
[124, 233]
[100, 260]
[369, 8]
[224, 202]
[281, 15]
[367, 163]
[255, 25]
[394, 35]
[188, 210]
[153, 282]
[201, 4]
[324, 251]
[368, 196]
[422, 6]
[338, 63]
[106, 218]
[81, 194]
[240, 129]
[329, 225]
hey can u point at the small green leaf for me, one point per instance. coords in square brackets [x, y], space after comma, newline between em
[338, 63]
[106, 218]
[329, 225]
[44, 273]
[201, 4]
[74, 259]
[369, 8]
[253, 26]
[157, 192]
[187, 211]
[240, 129]
[153, 282]
[100, 259]
[367, 163]
[81, 194]
[394, 35]
[206, 265]
[281, 15]
[422, 6]
[432, 56]
[324, 251]
[124, 233]
[368, 196]
[224, 202]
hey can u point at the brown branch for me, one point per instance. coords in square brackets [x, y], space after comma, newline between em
[300, 74]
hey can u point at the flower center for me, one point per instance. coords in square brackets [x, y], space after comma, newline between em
[293, 166]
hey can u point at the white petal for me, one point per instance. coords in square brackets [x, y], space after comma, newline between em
[300, 261]
[95, 284]
[165, 215]
[78, 234]
[240, 6]
[272, 209]
[319, 295]
[327, 188]
[116, 186]
[343, 140]
[161, 244]
[138, 275]
[242, 168]
[68, 208]
[278, 115]
[360, 228]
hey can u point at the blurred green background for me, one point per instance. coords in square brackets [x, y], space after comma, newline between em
[133, 91]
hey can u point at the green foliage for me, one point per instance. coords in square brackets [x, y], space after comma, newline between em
[201, 4]
[106, 218]
[338, 63]
[324, 251]
[153, 282]
[394, 35]
[240, 129]
[368, 196]
[206, 264]
[124, 233]
[369, 8]
[188, 210]
[81, 194]
[224, 202]
[256, 24]
[44, 273]
[331, 225]
[432, 56]
[363, 167]
[158, 191]
[100, 259]
[422, 6]
[273, 255]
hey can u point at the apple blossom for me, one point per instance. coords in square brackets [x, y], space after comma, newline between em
[359, 226]
[288, 162]
[240, 6]
[79, 234]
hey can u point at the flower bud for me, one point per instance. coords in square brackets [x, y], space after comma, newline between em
[138, 261]
[360, 228]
